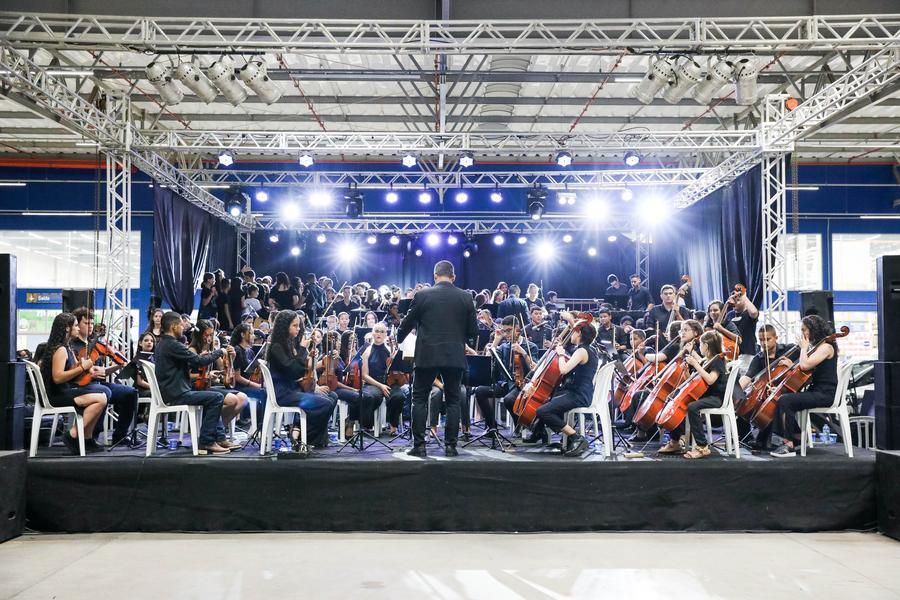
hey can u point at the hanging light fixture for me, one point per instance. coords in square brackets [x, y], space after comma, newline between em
[160, 77]
[253, 74]
[221, 73]
[193, 78]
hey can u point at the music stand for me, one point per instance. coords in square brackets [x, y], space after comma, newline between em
[496, 438]
[403, 305]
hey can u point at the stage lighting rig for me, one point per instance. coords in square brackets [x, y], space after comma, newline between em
[371, 239]
[321, 238]
[660, 73]
[523, 239]
[592, 251]
[611, 238]
[564, 159]
[160, 77]
[295, 251]
[627, 194]
[253, 74]
[462, 197]
[193, 78]
[536, 202]
[466, 159]
[235, 200]
[394, 240]
[469, 249]
[354, 208]
[452, 240]
[425, 197]
[567, 238]
[273, 237]
[221, 73]
[719, 74]
[632, 158]
[226, 159]
[306, 160]
[262, 194]
[496, 196]
[686, 75]
[409, 161]
[746, 92]
[392, 197]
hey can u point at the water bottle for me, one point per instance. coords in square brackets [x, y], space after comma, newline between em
[173, 444]
[665, 438]
[825, 437]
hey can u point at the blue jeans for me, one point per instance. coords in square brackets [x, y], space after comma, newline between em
[212, 412]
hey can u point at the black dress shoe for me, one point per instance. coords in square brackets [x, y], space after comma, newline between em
[450, 450]
[539, 436]
[71, 443]
[92, 446]
[417, 451]
[577, 446]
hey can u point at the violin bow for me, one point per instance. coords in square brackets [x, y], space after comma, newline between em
[527, 347]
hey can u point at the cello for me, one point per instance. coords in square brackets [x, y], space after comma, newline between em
[792, 381]
[670, 378]
[675, 410]
[545, 376]
[394, 377]
[762, 385]
[328, 377]
[634, 363]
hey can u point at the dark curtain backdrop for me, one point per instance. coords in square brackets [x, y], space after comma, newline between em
[717, 242]
[182, 237]
[571, 272]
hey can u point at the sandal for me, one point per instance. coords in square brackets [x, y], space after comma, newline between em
[698, 452]
[672, 447]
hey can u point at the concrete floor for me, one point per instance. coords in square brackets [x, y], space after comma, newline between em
[481, 566]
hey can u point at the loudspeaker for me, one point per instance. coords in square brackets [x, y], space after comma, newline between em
[12, 495]
[888, 271]
[12, 406]
[887, 493]
[72, 299]
[7, 308]
[818, 303]
[887, 427]
[887, 383]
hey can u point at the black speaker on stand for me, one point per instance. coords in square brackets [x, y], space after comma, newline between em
[12, 373]
[72, 299]
[887, 368]
[820, 303]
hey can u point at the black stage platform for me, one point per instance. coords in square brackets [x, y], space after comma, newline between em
[531, 489]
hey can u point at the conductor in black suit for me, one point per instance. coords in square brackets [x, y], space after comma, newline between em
[444, 317]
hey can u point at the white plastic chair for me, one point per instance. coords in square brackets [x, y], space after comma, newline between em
[599, 408]
[159, 407]
[726, 411]
[42, 407]
[273, 410]
[837, 408]
[865, 431]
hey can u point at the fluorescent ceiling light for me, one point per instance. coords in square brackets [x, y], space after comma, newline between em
[86, 144]
[802, 188]
[12, 184]
[879, 217]
[356, 76]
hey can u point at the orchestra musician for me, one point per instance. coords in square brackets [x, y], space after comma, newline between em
[820, 391]
[537, 331]
[360, 404]
[393, 318]
[639, 297]
[287, 363]
[60, 371]
[607, 332]
[242, 342]
[616, 292]
[715, 322]
[531, 296]
[667, 312]
[744, 317]
[374, 374]
[508, 342]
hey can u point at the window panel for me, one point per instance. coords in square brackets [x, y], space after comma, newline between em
[803, 255]
[853, 257]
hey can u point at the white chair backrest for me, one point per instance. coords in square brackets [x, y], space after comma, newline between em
[733, 372]
[150, 374]
[602, 381]
[37, 382]
[843, 373]
[267, 379]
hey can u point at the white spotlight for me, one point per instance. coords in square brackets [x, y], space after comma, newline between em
[371, 239]
[226, 159]
[659, 74]
[295, 251]
[347, 251]
[496, 196]
[466, 159]
[656, 209]
[546, 250]
[262, 194]
[523, 239]
[273, 237]
[592, 251]
[306, 160]
[424, 197]
[409, 161]
[320, 238]
[467, 253]
[719, 74]
[746, 91]
[253, 74]
[686, 75]
[394, 240]
[320, 199]
[462, 197]
[498, 239]
[611, 238]
[160, 77]
[392, 197]
[291, 210]
[567, 238]
[433, 239]
[419, 252]
[452, 240]
[194, 79]
[632, 158]
[564, 159]
[221, 73]
[627, 194]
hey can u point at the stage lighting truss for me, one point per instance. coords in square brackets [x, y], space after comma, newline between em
[536, 202]
[354, 199]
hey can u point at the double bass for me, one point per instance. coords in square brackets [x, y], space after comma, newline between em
[792, 381]
[545, 376]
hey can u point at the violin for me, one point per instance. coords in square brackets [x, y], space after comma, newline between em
[308, 381]
[228, 377]
[545, 376]
[675, 410]
[328, 377]
[792, 381]
[762, 385]
[256, 377]
[95, 349]
[203, 381]
[394, 377]
[353, 374]
[670, 378]
[686, 284]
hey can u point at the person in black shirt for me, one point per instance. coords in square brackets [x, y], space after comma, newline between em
[714, 321]
[374, 374]
[393, 318]
[713, 371]
[607, 332]
[663, 314]
[538, 332]
[512, 344]
[744, 316]
[639, 298]
[313, 298]
[173, 373]
[551, 305]
[617, 292]
[208, 293]
[282, 296]
[242, 342]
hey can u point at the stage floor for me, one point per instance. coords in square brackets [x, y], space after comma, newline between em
[529, 490]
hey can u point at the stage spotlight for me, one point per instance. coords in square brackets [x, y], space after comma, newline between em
[320, 238]
[719, 74]
[347, 251]
[566, 197]
[686, 75]
[273, 237]
[160, 77]
[546, 250]
[253, 74]
[656, 209]
[391, 197]
[194, 79]
[320, 198]
[452, 240]
[409, 161]
[592, 251]
[221, 73]
[467, 253]
[462, 197]
[291, 210]
[354, 208]
[306, 160]
[226, 159]
[466, 159]
[496, 196]
[469, 249]
[433, 239]
[611, 238]
[424, 197]
[595, 209]
[567, 238]
[659, 74]
[632, 158]
[564, 159]
[627, 194]
[394, 240]
[418, 252]
[536, 202]
[498, 239]
[262, 194]
[295, 251]
[234, 208]
[523, 239]
[235, 200]
[371, 239]
[746, 91]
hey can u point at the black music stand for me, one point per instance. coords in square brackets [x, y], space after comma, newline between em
[497, 439]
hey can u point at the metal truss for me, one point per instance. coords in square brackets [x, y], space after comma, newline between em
[593, 179]
[162, 35]
[291, 142]
[465, 226]
[642, 257]
[117, 298]
[774, 264]
[243, 249]
[26, 83]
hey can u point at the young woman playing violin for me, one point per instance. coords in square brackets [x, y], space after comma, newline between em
[820, 393]
[712, 370]
[360, 405]
[242, 342]
[374, 374]
[577, 388]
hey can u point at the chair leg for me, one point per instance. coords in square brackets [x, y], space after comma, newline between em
[152, 430]
[606, 424]
[303, 429]
[79, 424]
[343, 409]
[845, 430]
[266, 432]
[35, 429]
[253, 422]
[804, 428]
[735, 442]
[193, 419]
